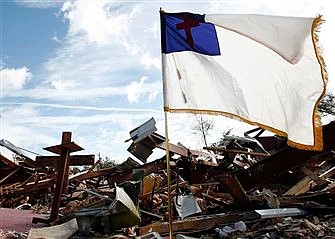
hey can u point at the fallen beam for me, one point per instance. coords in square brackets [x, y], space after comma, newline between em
[75, 160]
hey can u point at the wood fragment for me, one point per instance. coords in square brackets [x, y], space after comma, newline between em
[317, 229]
[306, 183]
[62, 231]
[198, 223]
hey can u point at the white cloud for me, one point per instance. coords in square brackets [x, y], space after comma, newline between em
[135, 90]
[40, 3]
[103, 22]
[148, 61]
[19, 111]
[39, 115]
[14, 79]
[80, 93]
[30, 127]
[62, 93]
[81, 107]
[61, 85]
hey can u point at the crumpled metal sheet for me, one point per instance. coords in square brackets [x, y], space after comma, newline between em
[186, 205]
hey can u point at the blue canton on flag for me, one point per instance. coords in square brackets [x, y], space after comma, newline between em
[188, 32]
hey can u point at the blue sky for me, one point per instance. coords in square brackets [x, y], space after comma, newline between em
[94, 68]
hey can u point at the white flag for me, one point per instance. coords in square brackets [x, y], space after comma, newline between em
[263, 70]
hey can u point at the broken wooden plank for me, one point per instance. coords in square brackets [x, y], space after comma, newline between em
[198, 223]
[75, 160]
[281, 162]
[307, 183]
[127, 175]
[19, 189]
[317, 229]
[8, 162]
[10, 174]
[217, 200]
[233, 186]
[62, 231]
[313, 175]
[128, 164]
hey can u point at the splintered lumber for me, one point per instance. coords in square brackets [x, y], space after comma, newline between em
[8, 162]
[198, 223]
[10, 174]
[18, 189]
[128, 164]
[313, 175]
[216, 200]
[62, 231]
[317, 229]
[281, 162]
[75, 160]
[127, 175]
[233, 186]
[307, 183]
[236, 151]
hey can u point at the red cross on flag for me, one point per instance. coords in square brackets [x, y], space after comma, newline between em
[263, 70]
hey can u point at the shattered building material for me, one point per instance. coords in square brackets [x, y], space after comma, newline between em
[235, 189]
[74, 160]
[186, 205]
[308, 183]
[143, 131]
[129, 164]
[198, 223]
[123, 210]
[283, 161]
[140, 134]
[288, 188]
[281, 212]
[128, 174]
[120, 213]
[62, 231]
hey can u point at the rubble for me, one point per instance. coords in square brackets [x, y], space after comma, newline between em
[247, 187]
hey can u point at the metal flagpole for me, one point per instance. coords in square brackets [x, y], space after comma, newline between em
[167, 151]
[168, 175]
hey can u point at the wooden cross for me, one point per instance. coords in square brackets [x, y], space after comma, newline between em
[64, 150]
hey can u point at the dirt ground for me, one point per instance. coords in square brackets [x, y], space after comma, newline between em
[17, 220]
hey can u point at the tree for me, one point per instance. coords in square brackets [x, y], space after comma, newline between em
[327, 105]
[202, 126]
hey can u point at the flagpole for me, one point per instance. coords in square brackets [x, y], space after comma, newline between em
[167, 146]
[168, 175]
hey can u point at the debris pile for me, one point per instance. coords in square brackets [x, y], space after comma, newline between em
[247, 187]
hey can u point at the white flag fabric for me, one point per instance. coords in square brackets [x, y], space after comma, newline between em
[263, 70]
